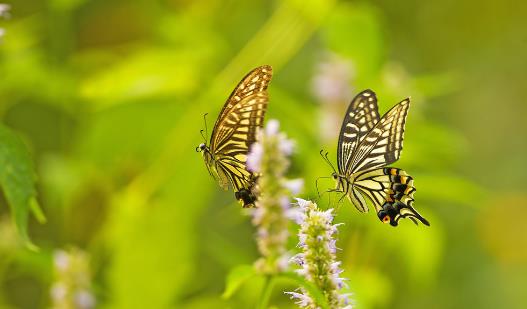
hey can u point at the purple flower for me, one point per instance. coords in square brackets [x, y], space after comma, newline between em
[4, 10]
[4, 13]
[72, 284]
[269, 157]
[332, 80]
[317, 259]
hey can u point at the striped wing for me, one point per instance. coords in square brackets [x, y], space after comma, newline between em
[361, 117]
[248, 94]
[382, 145]
[391, 192]
[236, 127]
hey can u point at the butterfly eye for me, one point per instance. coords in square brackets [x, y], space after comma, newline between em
[334, 175]
[386, 219]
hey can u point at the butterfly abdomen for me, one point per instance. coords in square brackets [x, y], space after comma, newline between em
[246, 197]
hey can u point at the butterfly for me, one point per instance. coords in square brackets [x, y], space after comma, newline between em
[367, 144]
[235, 131]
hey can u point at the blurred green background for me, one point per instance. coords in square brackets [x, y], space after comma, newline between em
[109, 97]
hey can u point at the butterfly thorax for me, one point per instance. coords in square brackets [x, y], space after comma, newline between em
[209, 159]
[343, 182]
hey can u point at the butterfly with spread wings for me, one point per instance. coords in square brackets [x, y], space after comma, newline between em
[367, 144]
[235, 131]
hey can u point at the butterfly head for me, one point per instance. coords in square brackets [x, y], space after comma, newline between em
[201, 147]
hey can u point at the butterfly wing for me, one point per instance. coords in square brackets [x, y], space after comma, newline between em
[391, 192]
[389, 189]
[382, 145]
[235, 129]
[252, 86]
[361, 117]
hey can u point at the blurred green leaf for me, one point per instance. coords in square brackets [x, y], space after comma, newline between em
[236, 277]
[17, 177]
[148, 72]
[133, 141]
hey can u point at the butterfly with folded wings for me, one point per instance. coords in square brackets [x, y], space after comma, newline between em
[367, 144]
[235, 131]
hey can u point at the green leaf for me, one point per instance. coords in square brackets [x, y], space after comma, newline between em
[312, 289]
[236, 277]
[17, 178]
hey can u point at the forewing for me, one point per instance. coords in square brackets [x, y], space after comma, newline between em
[254, 83]
[239, 130]
[361, 117]
[382, 145]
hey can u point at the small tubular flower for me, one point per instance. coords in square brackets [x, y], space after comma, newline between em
[269, 157]
[317, 259]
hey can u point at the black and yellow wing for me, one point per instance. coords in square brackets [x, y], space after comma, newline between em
[382, 145]
[367, 145]
[391, 192]
[360, 118]
[235, 131]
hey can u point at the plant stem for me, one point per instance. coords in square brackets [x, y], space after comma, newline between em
[266, 291]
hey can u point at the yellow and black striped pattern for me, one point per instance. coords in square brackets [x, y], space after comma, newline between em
[367, 145]
[361, 117]
[235, 131]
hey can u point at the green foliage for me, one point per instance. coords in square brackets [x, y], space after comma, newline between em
[17, 178]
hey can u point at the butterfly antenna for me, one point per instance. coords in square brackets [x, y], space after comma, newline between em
[206, 129]
[203, 136]
[325, 157]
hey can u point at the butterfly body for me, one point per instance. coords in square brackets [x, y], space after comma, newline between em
[367, 144]
[235, 131]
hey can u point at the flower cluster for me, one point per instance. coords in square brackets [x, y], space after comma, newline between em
[331, 83]
[71, 288]
[317, 258]
[269, 158]
[4, 13]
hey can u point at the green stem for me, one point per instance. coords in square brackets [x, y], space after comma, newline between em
[266, 292]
